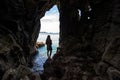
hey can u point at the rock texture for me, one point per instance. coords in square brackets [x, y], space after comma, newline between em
[89, 39]
[39, 44]
[89, 42]
[19, 29]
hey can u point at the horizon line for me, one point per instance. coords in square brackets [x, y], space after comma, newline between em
[48, 32]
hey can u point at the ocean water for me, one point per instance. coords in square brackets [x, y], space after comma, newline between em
[41, 57]
[42, 37]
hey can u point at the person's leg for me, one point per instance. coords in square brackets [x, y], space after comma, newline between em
[50, 53]
[47, 53]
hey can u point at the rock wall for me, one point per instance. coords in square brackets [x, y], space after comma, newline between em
[19, 29]
[89, 42]
[89, 39]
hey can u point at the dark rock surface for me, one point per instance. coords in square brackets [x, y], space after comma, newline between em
[19, 29]
[89, 42]
[89, 46]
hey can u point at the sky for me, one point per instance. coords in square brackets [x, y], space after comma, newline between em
[50, 22]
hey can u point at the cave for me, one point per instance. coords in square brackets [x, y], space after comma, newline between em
[89, 44]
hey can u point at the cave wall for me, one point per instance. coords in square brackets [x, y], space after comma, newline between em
[70, 17]
[19, 29]
[90, 42]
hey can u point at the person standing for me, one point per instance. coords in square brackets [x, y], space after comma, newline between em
[49, 46]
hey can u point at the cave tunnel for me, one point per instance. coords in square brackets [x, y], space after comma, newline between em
[89, 39]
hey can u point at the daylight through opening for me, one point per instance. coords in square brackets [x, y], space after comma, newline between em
[49, 26]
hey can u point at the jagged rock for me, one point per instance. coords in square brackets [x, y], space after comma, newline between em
[15, 74]
[92, 44]
[39, 44]
[68, 63]
[20, 73]
[113, 73]
[19, 30]
[101, 68]
[35, 76]
[89, 41]
[10, 74]
[112, 53]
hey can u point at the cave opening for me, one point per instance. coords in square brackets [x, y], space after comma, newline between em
[49, 26]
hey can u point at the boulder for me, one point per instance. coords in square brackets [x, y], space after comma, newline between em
[39, 44]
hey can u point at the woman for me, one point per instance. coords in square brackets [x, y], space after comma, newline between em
[49, 46]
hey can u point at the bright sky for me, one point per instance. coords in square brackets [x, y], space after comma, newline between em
[50, 22]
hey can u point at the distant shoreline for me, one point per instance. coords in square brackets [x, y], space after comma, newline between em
[49, 32]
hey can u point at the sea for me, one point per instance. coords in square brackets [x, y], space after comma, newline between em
[41, 57]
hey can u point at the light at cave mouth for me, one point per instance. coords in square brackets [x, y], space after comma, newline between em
[49, 26]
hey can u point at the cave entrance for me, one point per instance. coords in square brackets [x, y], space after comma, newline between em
[49, 26]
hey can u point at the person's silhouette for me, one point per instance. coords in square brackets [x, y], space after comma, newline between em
[49, 46]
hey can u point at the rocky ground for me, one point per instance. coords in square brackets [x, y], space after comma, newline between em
[75, 62]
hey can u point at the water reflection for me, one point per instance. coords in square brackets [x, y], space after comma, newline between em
[38, 63]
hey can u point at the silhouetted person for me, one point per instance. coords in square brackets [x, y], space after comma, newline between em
[49, 46]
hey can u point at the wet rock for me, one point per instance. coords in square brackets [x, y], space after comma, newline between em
[39, 44]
